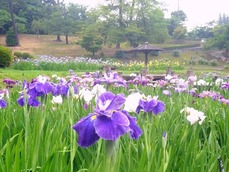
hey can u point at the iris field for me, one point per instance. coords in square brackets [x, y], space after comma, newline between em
[104, 123]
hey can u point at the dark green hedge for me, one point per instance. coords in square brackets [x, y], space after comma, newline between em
[6, 57]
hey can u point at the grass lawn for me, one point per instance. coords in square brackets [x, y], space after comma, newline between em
[46, 44]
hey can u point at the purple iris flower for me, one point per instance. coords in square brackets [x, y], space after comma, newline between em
[9, 83]
[111, 78]
[3, 103]
[181, 87]
[193, 93]
[225, 86]
[210, 94]
[153, 105]
[162, 83]
[107, 121]
[60, 89]
[166, 92]
[32, 101]
[141, 80]
[21, 101]
[224, 101]
[38, 87]
[63, 88]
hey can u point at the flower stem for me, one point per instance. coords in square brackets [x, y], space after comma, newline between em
[72, 143]
[26, 118]
[111, 149]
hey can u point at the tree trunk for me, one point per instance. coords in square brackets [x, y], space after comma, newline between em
[66, 38]
[13, 21]
[226, 53]
[132, 11]
[58, 38]
[118, 45]
[143, 15]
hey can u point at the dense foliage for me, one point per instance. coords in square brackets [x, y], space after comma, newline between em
[11, 39]
[6, 57]
[117, 21]
[220, 39]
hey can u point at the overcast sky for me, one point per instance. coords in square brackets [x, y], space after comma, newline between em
[199, 12]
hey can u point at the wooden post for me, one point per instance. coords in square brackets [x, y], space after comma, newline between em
[168, 71]
[143, 72]
[120, 74]
[190, 73]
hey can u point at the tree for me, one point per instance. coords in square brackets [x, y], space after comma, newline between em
[176, 20]
[220, 39]
[223, 19]
[5, 21]
[114, 13]
[134, 21]
[74, 19]
[179, 15]
[155, 26]
[91, 39]
[54, 24]
[37, 26]
[180, 33]
[66, 20]
[201, 32]
[13, 21]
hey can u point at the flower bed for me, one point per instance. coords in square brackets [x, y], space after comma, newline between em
[105, 123]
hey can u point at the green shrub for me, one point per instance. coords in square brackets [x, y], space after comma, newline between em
[18, 54]
[176, 53]
[202, 61]
[11, 38]
[27, 56]
[24, 55]
[213, 62]
[119, 54]
[23, 66]
[6, 57]
[155, 53]
[101, 55]
[192, 62]
[226, 67]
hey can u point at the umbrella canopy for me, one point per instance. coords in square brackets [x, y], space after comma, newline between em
[146, 48]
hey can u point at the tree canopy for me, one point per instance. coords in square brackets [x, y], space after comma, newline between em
[220, 39]
[132, 21]
[112, 23]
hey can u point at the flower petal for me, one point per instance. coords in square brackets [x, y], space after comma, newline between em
[86, 131]
[20, 101]
[120, 118]
[33, 102]
[135, 130]
[142, 104]
[132, 102]
[109, 101]
[107, 129]
[104, 100]
[3, 103]
[192, 119]
[151, 105]
[160, 107]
